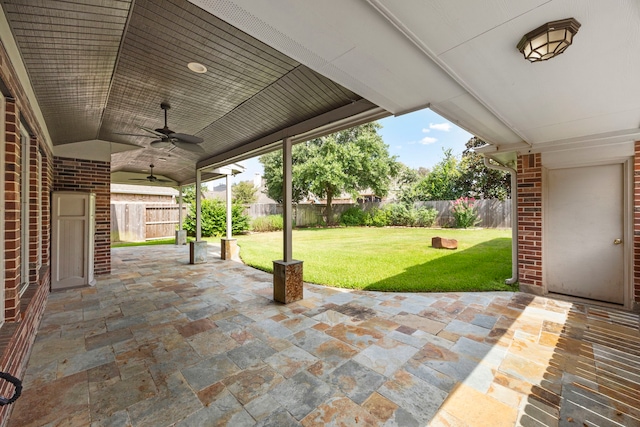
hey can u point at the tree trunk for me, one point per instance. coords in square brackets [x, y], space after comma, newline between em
[329, 210]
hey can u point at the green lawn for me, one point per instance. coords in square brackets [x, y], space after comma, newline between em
[167, 241]
[391, 259]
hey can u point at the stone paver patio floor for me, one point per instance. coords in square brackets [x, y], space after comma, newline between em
[164, 343]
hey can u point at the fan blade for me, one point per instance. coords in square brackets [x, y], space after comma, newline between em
[189, 139]
[160, 143]
[135, 134]
[189, 147]
[153, 132]
[163, 180]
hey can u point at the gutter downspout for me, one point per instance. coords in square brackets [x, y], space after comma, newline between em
[514, 217]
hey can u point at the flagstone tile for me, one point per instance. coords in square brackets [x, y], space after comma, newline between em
[379, 406]
[250, 354]
[251, 383]
[110, 397]
[172, 404]
[476, 409]
[209, 371]
[212, 343]
[386, 356]
[279, 418]
[301, 394]
[354, 335]
[331, 317]
[355, 380]
[291, 360]
[262, 407]
[418, 398]
[417, 322]
[339, 411]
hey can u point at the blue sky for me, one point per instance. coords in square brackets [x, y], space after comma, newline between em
[417, 139]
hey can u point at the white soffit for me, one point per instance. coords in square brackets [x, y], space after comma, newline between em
[591, 89]
[353, 44]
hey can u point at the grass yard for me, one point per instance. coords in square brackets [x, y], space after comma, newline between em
[391, 259]
[167, 241]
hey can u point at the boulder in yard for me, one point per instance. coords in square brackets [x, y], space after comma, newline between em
[442, 243]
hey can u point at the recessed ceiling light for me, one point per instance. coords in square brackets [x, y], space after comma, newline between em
[197, 67]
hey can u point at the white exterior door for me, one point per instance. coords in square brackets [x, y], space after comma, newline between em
[72, 240]
[584, 247]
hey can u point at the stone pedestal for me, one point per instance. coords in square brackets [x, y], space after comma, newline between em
[197, 252]
[228, 248]
[442, 243]
[287, 281]
[181, 237]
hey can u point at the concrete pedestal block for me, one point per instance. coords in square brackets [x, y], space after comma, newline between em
[181, 237]
[228, 248]
[287, 281]
[197, 252]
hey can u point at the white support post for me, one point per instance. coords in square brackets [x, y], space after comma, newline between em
[229, 206]
[287, 190]
[180, 207]
[198, 205]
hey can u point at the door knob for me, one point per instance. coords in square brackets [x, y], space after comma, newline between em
[617, 241]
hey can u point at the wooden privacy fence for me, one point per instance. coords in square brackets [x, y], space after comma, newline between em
[135, 222]
[493, 213]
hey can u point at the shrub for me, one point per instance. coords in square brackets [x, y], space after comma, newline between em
[353, 216]
[377, 218]
[425, 217]
[214, 219]
[464, 212]
[267, 223]
[399, 214]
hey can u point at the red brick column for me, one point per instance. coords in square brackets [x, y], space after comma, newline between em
[34, 213]
[91, 176]
[47, 181]
[530, 223]
[636, 223]
[12, 213]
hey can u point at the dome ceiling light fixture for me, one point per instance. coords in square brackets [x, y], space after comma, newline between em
[548, 40]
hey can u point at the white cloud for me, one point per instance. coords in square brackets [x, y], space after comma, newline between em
[445, 127]
[425, 130]
[399, 147]
[428, 140]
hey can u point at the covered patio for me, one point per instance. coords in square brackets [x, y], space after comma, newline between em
[159, 342]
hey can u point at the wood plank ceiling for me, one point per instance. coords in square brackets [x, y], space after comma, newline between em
[100, 68]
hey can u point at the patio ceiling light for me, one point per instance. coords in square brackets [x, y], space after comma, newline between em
[196, 67]
[548, 40]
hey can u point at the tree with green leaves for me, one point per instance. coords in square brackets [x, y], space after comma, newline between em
[244, 193]
[348, 161]
[189, 193]
[476, 180]
[442, 183]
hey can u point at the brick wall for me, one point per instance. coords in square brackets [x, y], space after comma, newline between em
[530, 221]
[92, 176]
[22, 313]
[12, 212]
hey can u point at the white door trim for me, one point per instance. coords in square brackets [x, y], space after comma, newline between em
[627, 222]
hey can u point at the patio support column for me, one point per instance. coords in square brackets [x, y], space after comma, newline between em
[181, 235]
[198, 249]
[287, 273]
[228, 246]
